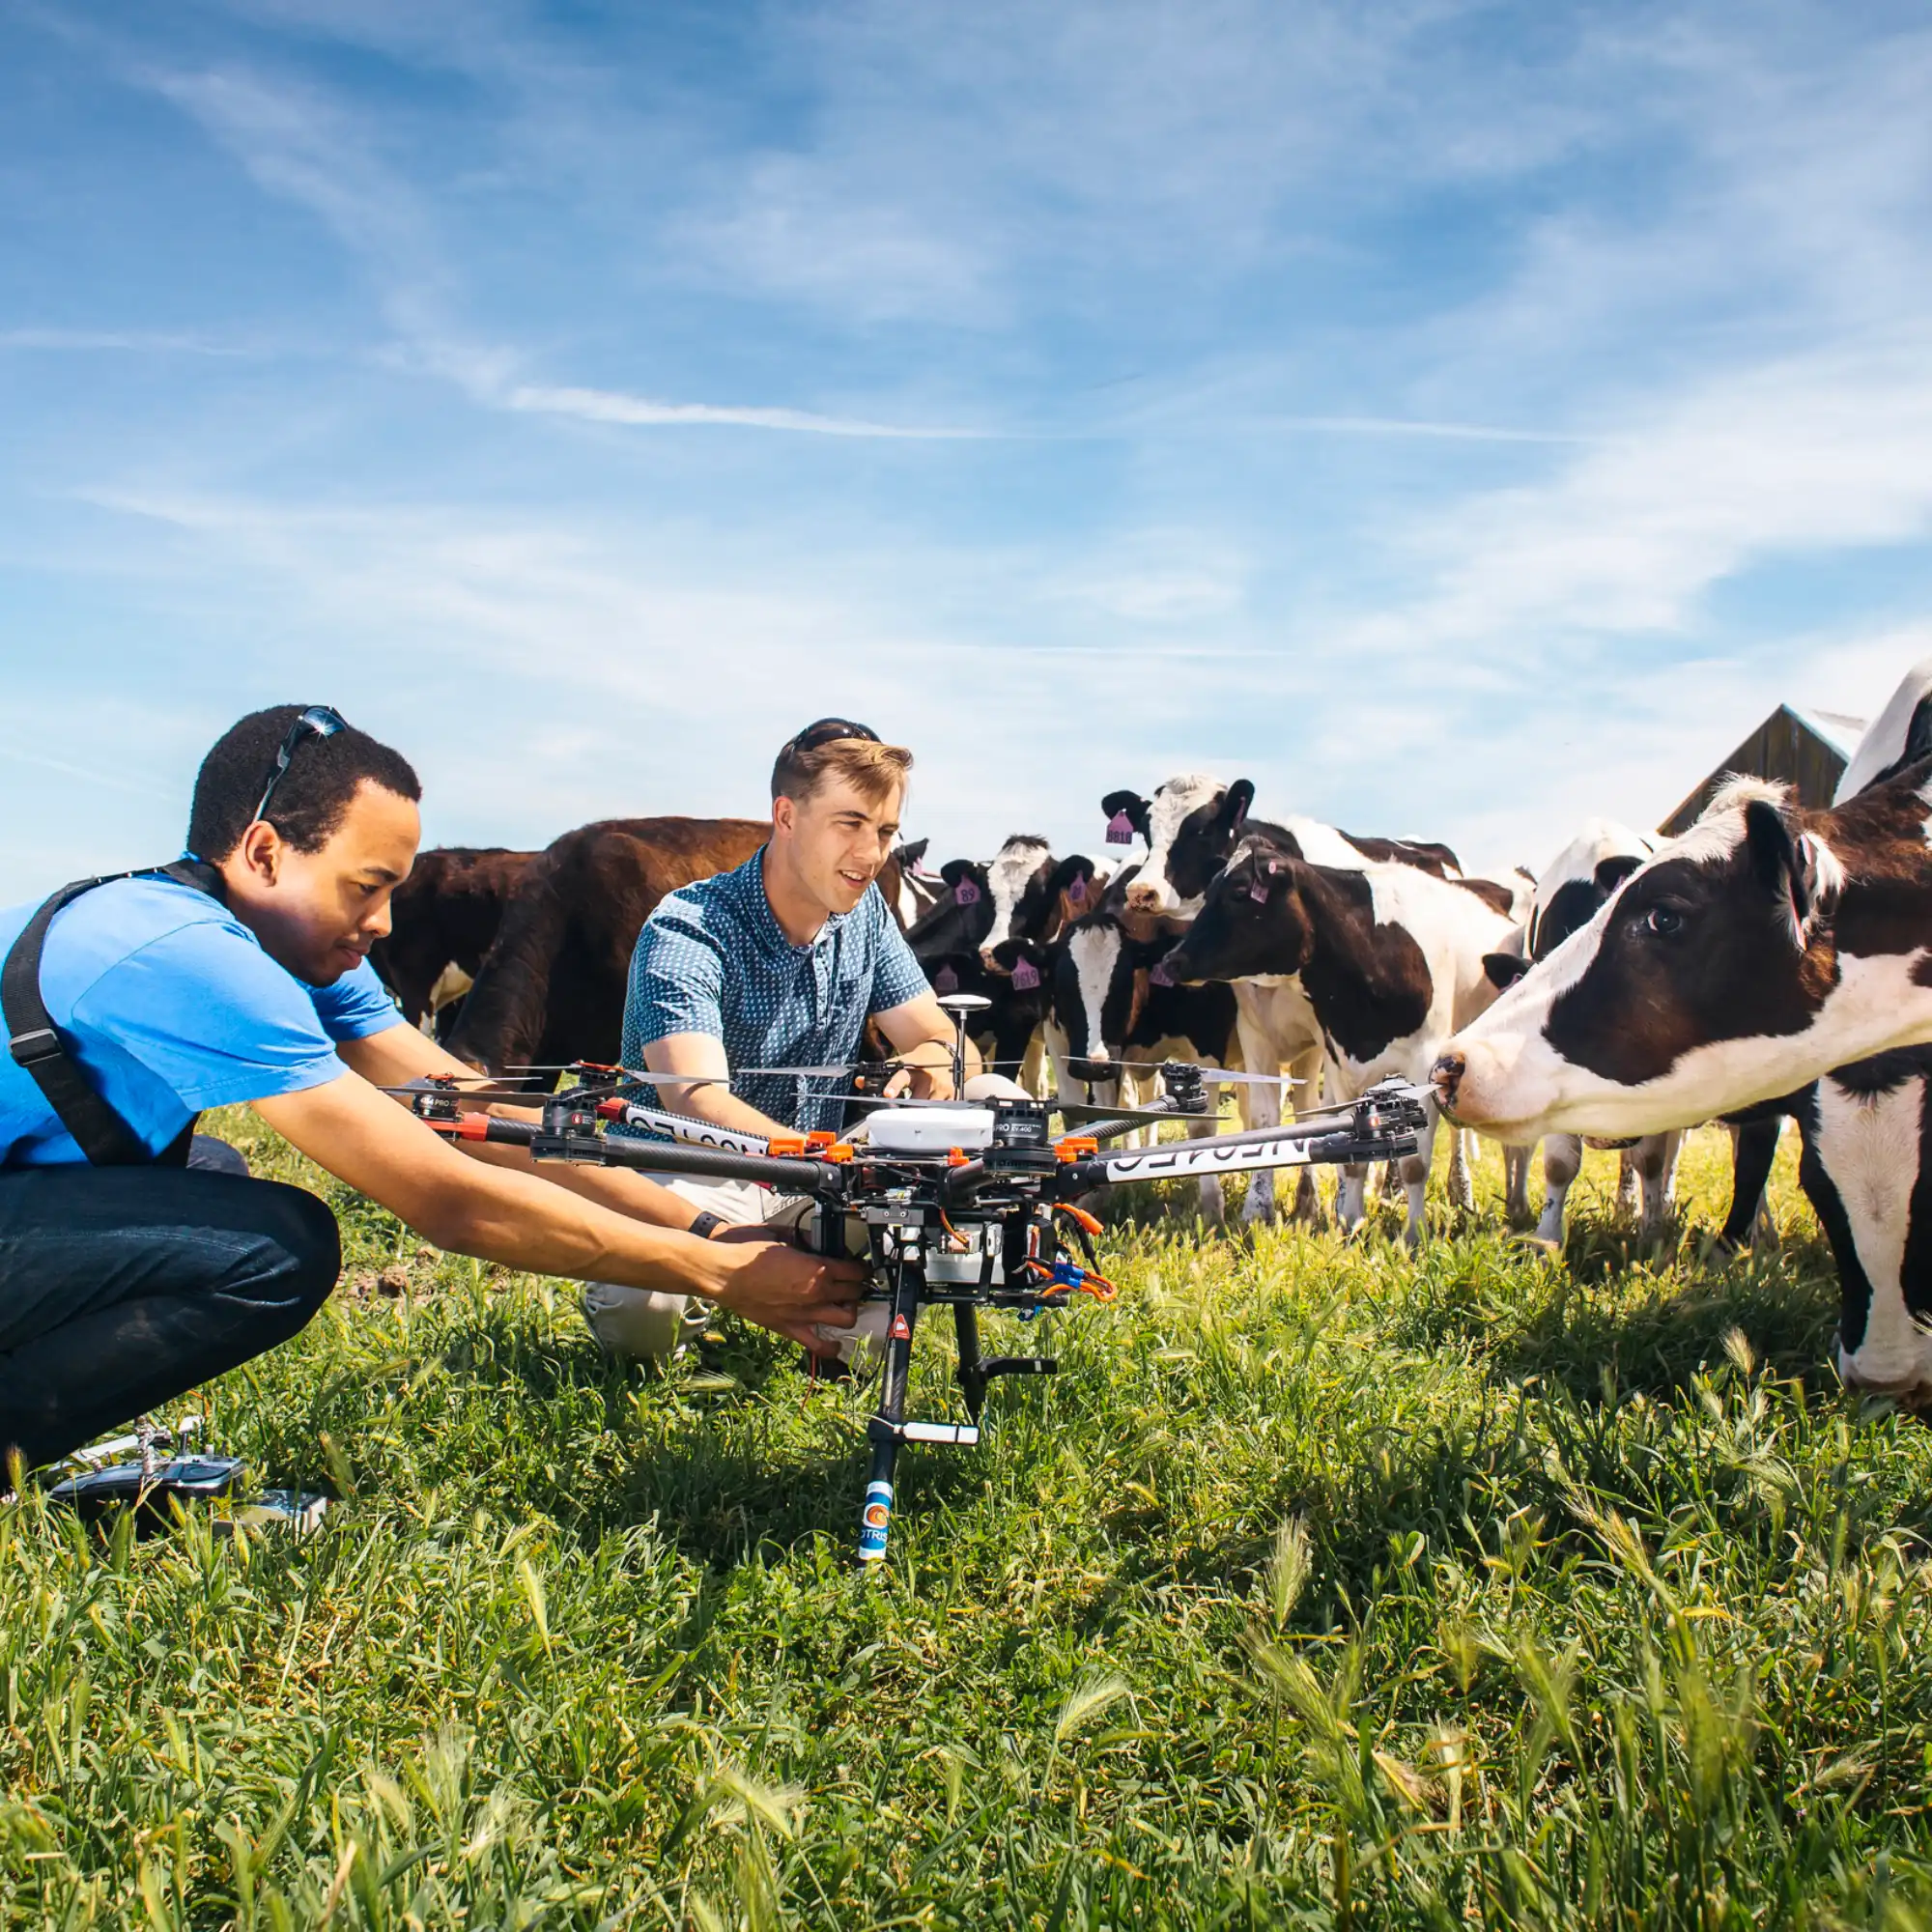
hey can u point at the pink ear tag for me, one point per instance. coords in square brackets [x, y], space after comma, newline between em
[946, 981]
[965, 893]
[1025, 976]
[1119, 829]
[1161, 975]
[1076, 892]
[1258, 889]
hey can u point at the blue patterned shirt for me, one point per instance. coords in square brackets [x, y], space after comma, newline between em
[712, 959]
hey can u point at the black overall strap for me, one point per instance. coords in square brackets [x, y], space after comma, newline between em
[98, 1129]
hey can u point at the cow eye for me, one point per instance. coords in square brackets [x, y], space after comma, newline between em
[1664, 921]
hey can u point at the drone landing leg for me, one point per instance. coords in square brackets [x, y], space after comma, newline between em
[972, 1378]
[885, 1427]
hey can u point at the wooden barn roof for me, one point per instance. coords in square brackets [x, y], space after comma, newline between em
[1808, 749]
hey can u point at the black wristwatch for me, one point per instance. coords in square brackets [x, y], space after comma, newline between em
[706, 1225]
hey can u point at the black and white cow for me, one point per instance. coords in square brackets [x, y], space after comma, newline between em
[1021, 893]
[1572, 885]
[917, 891]
[1766, 946]
[1191, 826]
[1116, 1015]
[1389, 958]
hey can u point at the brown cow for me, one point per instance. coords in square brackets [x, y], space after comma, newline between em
[445, 914]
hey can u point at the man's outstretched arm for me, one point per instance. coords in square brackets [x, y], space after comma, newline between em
[521, 1220]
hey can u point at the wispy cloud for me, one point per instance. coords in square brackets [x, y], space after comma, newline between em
[611, 406]
[138, 342]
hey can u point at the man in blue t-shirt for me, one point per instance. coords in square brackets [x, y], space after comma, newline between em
[128, 1274]
[779, 964]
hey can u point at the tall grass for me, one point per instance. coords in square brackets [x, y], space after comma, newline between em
[1323, 1586]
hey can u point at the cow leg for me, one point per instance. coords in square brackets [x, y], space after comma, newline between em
[1032, 1067]
[1352, 1198]
[1516, 1184]
[1308, 1209]
[1562, 1163]
[1264, 1107]
[1654, 1157]
[1415, 1177]
[1213, 1204]
[1627, 1187]
[1753, 1149]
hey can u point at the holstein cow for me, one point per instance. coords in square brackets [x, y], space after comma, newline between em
[551, 989]
[1117, 1016]
[1766, 946]
[918, 890]
[1191, 826]
[1575, 884]
[1389, 958]
[442, 920]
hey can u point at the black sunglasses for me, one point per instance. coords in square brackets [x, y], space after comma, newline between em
[826, 731]
[319, 721]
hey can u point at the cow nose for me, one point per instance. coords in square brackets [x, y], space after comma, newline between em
[1144, 898]
[988, 960]
[1447, 1075]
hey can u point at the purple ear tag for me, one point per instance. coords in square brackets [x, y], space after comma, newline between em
[1258, 889]
[965, 893]
[1025, 976]
[946, 981]
[1119, 829]
[1076, 892]
[1162, 973]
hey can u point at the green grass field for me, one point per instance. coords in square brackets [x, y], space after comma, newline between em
[1324, 1586]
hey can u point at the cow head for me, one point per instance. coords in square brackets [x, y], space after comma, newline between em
[1658, 1011]
[1252, 924]
[1192, 824]
[1100, 987]
[1019, 888]
[960, 921]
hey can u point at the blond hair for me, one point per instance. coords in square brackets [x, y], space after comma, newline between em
[816, 756]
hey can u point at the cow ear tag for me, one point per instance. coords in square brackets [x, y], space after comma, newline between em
[965, 893]
[1025, 976]
[1258, 886]
[1119, 829]
[1161, 975]
[1076, 892]
[946, 981]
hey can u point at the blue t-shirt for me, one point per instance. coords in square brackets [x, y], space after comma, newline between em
[712, 959]
[170, 1006]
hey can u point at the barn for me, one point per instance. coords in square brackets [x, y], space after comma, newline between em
[1806, 749]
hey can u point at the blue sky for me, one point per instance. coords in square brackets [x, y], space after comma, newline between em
[1458, 419]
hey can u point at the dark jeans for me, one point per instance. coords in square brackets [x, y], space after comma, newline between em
[122, 1287]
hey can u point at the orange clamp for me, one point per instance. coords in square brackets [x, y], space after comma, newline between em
[838, 1153]
[1076, 1146]
[784, 1147]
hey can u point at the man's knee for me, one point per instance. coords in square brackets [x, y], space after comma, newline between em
[307, 1248]
[208, 1155]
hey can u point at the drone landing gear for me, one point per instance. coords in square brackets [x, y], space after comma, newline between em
[886, 1428]
[976, 1371]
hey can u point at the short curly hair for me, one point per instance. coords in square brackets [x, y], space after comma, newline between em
[311, 800]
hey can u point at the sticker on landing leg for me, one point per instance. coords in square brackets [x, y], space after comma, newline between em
[875, 1519]
[901, 1328]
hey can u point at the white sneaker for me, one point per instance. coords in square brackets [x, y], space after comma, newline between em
[642, 1324]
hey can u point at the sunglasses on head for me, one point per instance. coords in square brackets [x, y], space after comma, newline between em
[319, 721]
[826, 731]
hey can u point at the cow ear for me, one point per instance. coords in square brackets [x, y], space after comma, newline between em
[1799, 870]
[1504, 968]
[1127, 808]
[1235, 803]
[909, 854]
[955, 869]
[1611, 872]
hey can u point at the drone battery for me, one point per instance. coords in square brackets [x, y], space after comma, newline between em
[931, 1129]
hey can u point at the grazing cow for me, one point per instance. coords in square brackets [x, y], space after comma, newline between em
[1767, 946]
[551, 989]
[1389, 958]
[1191, 826]
[1117, 1017]
[1575, 883]
[443, 916]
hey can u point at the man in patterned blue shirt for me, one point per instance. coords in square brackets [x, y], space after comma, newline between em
[781, 963]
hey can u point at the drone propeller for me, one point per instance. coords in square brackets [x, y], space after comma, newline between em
[1081, 1110]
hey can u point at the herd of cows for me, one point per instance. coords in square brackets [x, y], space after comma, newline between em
[1772, 962]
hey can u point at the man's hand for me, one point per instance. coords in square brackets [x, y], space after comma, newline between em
[792, 1293]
